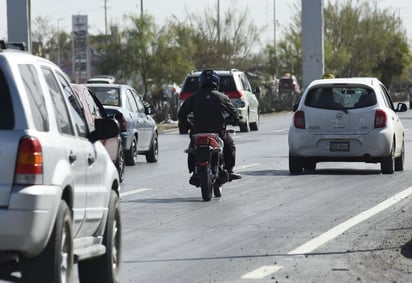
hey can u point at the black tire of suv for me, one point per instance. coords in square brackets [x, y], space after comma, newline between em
[55, 262]
[244, 127]
[106, 268]
[152, 155]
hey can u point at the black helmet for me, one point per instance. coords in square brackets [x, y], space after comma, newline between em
[208, 79]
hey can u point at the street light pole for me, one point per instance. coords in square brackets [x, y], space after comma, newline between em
[58, 41]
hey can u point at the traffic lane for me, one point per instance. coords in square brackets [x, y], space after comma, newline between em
[249, 202]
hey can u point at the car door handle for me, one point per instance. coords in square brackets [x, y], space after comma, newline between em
[72, 157]
[91, 159]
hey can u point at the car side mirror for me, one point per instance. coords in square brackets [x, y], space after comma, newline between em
[401, 107]
[149, 110]
[295, 107]
[256, 90]
[104, 129]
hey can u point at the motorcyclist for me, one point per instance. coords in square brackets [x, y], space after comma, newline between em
[209, 107]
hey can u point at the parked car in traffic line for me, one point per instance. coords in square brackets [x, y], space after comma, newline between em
[93, 110]
[138, 129]
[346, 119]
[236, 86]
[59, 189]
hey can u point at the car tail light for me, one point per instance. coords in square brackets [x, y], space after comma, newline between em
[29, 166]
[234, 94]
[380, 118]
[122, 122]
[299, 119]
[185, 95]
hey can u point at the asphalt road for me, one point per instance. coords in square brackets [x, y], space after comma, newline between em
[345, 222]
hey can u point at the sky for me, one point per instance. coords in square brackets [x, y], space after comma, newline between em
[260, 12]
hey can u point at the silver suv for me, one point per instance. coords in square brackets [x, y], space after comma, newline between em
[59, 189]
[236, 86]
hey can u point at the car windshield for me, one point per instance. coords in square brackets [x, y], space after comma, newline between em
[340, 97]
[107, 95]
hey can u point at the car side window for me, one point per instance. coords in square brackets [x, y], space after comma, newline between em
[76, 108]
[35, 95]
[245, 83]
[387, 98]
[131, 101]
[139, 102]
[62, 113]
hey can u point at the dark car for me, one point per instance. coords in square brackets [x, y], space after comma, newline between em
[93, 110]
[138, 129]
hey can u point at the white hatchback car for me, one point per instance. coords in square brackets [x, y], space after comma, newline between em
[346, 119]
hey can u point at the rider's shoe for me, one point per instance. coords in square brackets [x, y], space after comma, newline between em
[194, 180]
[234, 176]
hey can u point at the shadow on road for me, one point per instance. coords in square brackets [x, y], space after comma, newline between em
[313, 172]
[165, 200]
[406, 250]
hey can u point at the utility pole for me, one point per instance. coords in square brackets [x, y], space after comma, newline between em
[274, 38]
[218, 21]
[105, 18]
[141, 8]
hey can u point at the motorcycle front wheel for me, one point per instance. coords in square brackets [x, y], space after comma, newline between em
[206, 185]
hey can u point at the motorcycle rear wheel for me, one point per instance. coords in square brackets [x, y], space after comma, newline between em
[205, 183]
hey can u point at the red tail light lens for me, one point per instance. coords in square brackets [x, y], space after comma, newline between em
[122, 123]
[185, 95]
[29, 166]
[380, 118]
[299, 119]
[234, 94]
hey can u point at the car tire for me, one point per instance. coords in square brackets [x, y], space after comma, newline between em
[55, 262]
[106, 268]
[309, 165]
[120, 163]
[244, 126]
[295, 165]
[152, 155]
[131, 154]
[255, 125]
[400, 160]
[388, 163]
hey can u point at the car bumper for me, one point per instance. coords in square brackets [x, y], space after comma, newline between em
[26, 224]
[375, 144]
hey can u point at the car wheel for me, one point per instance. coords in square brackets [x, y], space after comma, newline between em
[55, 262]
[309, 165]
[153, 154]
[255, 125]
[387, 163]
[244, 126]
[131, 154]
[120, 163]
[295, 165]
[106, 268]
[400, 160]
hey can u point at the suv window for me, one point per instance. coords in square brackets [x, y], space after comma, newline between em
[6, 107]
[34, 92]
[227, 83]
[191, 84]
[62, 113]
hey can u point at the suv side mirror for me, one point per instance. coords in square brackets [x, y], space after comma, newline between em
[149, 110]
[104, 129]
[256, 90]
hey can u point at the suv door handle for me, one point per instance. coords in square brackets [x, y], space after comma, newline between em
[72, 157]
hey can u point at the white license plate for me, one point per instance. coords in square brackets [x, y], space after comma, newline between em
[339, 146]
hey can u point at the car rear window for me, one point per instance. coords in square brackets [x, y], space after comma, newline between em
[227, 83]
[6, 107]
[107, 95]
[340, 97]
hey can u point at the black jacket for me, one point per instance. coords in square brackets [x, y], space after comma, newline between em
[209, 108]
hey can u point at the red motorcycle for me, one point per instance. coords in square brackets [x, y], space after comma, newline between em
[207, 151]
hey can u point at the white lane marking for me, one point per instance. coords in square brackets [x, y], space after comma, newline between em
[134, 192]
[261, 272]
[246, 166]
[281, 130]
[341, 228]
